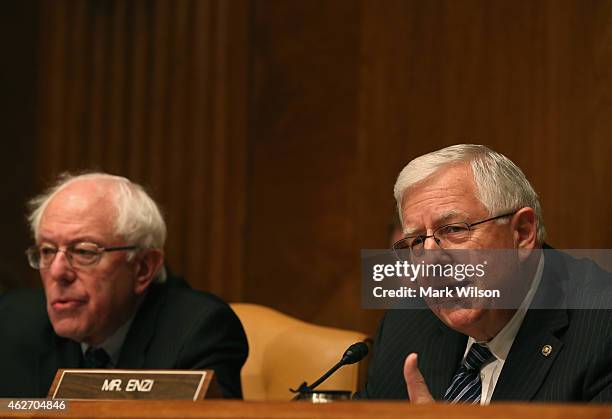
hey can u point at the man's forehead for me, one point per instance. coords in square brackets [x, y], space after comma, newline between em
[78, 211]
[82, 195]
[448, 195]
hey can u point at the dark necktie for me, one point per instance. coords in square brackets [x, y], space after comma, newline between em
[466, 386]
[96, 358]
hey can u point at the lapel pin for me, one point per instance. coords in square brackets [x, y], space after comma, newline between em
[546, 350]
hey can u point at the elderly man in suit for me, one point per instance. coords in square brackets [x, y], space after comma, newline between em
[470, 197]
[107, 302]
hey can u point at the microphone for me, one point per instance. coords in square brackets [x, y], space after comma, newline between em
[355, 353]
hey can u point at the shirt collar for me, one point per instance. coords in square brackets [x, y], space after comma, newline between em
[113, 344]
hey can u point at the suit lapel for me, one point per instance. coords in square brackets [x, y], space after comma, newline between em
[537, 344]
[441, 358]
[60, 353]
[534, 351]
[142, 330]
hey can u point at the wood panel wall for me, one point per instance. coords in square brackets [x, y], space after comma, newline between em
[18, 43]
[302, 255]
[346, 93]
[530, 79]
[155, 91]
[272, 131]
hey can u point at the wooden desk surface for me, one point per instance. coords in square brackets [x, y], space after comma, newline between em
[352, 410]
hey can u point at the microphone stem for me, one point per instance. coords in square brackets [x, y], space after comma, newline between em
[324, 377]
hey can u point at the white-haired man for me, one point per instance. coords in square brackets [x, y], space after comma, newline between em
[470, 197]
[107, 302]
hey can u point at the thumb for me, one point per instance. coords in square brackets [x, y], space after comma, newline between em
[417, 388]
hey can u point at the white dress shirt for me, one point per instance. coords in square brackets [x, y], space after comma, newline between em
[502, 342]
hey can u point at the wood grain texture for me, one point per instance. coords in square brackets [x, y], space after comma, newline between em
[349, 410]
[272, 131]
[18, 42]
[528, 79]
[302, 256]
[155, 90]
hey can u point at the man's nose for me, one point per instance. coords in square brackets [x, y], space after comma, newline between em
[434, 251]
[60, 269]
[431, 243]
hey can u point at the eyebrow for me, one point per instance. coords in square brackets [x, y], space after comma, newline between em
[440, 220]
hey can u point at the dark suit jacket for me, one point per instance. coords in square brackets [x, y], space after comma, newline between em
[175, 328]
[579, 368]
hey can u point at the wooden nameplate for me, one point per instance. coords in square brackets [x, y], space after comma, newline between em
[115, 384]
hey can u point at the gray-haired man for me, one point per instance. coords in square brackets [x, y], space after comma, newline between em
[107, 302]
[468, 197]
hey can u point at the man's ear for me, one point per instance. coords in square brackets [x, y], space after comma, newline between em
[525, 230]
[148, 264]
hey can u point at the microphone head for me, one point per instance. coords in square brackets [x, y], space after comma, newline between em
[355, 353]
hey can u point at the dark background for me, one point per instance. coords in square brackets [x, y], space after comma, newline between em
[271, 131]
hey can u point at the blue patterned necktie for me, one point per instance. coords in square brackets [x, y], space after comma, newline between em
[96, 358]
[466, 386]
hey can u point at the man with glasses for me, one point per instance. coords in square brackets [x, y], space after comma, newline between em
[460, 201]
[107, 300]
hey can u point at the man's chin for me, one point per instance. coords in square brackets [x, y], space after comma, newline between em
[459, 318]
[68, 328]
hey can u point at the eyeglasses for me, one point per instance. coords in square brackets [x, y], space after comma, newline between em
[79, 255]
[445, 236]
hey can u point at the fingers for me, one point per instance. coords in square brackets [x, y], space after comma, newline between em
[417, 388]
